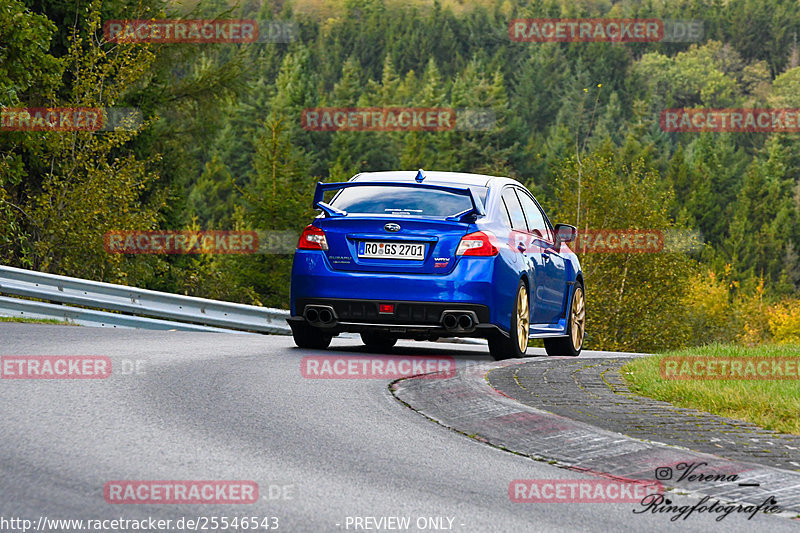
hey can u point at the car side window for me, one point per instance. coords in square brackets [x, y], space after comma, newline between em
[504, 213]
[533, 215]
[514, 210]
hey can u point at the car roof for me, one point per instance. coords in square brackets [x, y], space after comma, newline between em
[436, 176]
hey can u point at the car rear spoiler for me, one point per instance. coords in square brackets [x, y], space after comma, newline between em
[322, 188]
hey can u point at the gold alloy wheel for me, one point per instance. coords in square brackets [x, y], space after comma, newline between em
[523, 318]
[578, 319]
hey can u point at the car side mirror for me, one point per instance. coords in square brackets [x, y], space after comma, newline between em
[565, 233]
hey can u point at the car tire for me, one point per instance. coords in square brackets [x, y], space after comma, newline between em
[377, 340]
[306, 336]
[572, 344]
[515, 345]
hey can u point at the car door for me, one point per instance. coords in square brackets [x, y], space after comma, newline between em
[551, 274]
[524, 242]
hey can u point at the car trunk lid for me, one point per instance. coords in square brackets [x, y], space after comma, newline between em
[374, 243]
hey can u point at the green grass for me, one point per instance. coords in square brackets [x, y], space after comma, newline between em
[35, 320]
[771, 404]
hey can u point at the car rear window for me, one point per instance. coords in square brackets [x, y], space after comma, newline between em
[387, 200]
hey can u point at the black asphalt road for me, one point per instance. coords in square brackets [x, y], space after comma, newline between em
[327, 455]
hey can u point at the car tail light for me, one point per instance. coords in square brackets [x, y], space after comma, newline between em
[312, 238]
[478, 243]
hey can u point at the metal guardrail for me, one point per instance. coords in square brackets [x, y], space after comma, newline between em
[134, 308]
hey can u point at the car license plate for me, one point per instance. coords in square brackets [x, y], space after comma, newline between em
[391, 250]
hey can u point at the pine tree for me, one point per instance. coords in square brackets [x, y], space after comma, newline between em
[213, 197]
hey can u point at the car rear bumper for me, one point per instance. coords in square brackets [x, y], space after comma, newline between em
[407, 319]
[420, 302]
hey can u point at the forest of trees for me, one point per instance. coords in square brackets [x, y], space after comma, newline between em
[222, 145]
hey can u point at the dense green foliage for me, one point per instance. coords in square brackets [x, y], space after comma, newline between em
[222, 146]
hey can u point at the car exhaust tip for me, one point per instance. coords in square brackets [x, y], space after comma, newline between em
[312, 315]
[325, 316]
[458, 321]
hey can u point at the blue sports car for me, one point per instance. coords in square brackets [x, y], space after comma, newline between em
[424, 255]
